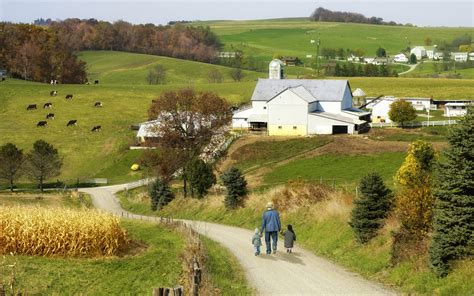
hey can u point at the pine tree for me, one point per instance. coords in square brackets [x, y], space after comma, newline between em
[371, 208]
[236, 187]
[454, 209]
[11, 159]
[160, 194]
[201, 177]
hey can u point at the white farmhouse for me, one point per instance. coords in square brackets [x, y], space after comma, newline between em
[301, 107]
[419, 51]
[400, 58]
[381, 106]
[432, 52]
[455, 109]
[459, 56]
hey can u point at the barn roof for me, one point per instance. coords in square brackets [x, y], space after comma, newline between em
[321, 90]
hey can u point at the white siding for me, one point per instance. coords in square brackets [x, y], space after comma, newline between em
[331, 107]
[259, 107]
[287, 109]
[323, 126]
[240, 123]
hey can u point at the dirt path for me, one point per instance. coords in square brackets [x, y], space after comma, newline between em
[300, 273]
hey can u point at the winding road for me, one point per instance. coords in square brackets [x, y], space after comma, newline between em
[299, 273]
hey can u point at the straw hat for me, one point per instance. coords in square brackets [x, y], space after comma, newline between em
[269, 205]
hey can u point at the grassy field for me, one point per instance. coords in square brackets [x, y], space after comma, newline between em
[343, 169]
[428, 69]
[49, 199]
[266, 38]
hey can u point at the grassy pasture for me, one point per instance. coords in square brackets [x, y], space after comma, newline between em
[49, 199]
[264, 38]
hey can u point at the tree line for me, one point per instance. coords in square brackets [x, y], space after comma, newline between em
[41, 53]
[325, 15]
[368, 70]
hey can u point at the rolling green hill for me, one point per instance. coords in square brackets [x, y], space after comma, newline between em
[126, 98]
[265, 38]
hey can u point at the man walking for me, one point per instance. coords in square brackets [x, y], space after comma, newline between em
[271, 225]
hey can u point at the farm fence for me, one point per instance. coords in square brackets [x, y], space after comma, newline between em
[414, 124]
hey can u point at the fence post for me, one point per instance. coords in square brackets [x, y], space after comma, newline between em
[357, 192]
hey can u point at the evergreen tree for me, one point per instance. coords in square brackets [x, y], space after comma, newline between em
[201, 177]
[454, 208]
[11, 159]
[236, 187]
[381, 52]
[337, 70]
[371, 208]
[160, 194]
[413, 59]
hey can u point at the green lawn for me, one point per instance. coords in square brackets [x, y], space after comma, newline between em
[48, 199]
[155, 265]
[429, 69]
[343, 169]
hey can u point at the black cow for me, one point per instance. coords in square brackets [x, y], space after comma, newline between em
[50, 116]
[98, 104]
[42, 123]
[96, 128]
[3, 78]
[47, 105]
[68, 97]
[53, 93]
[72, 122]
[96, 82]
[31, 107]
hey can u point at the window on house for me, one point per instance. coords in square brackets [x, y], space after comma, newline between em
[295, 127]
[463, 107]
[454, 107]
[279, 127]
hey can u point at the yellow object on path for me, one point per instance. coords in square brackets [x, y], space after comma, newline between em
[135, 167]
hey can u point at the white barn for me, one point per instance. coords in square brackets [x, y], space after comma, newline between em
[419, 51]
[400, 58]
[301, 107]
[455, 109]
[380, 107]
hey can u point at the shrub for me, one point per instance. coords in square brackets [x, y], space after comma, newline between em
[201, 177]
[236, 187]
[371, 208]
[160, 194]
[65, 232]
[300, 193]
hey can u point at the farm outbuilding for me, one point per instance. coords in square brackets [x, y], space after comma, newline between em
[301, 107]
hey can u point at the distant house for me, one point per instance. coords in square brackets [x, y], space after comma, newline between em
[459, 56]
[3, 73]
[226, 54]
[419, 52]
[353, 59]
[290, 61]
[380, 61]
[432, 52]
[381, 106]
[301, 107]
[456, 109]
[369, 60]
[400, 58]
[147, 131]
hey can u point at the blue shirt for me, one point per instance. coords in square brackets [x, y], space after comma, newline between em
[270, 221]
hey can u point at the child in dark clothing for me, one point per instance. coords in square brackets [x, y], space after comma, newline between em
[256, 242]
[290, 238]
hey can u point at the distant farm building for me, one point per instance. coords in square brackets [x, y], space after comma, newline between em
[290, 61]
[400, 58]
[300, 107]
[456, 109]
[460, 56]
[381, 106]
[419, 52]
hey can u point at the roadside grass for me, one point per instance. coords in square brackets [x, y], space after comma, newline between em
[153, 263]
[323, 228]
[340, 169]
[49, 199]
[429, 69]
[263, 153]
[223, 269]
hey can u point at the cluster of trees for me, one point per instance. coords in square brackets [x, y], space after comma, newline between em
[434, 201]
[188, 123]
[367, 70]
[325, 15]
[46, 52]
[41, 163]
[37, 53]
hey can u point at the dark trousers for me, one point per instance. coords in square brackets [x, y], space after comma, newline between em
[274, 236]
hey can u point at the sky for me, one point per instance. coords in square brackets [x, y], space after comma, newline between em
[453, 13]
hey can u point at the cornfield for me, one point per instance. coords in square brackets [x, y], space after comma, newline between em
[62, 232]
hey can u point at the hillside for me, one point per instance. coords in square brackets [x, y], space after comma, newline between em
[262, 39]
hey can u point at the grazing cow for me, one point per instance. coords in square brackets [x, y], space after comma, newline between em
[48, 106]
[31, 107]
[96, 128]
[72, 122]
[96, 82]
[53, 93]
[68, 97]
[50, 116]
[98, 104]
[42, 123]
[3, 78]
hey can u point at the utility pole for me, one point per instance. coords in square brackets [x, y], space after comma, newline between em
[318, 43]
